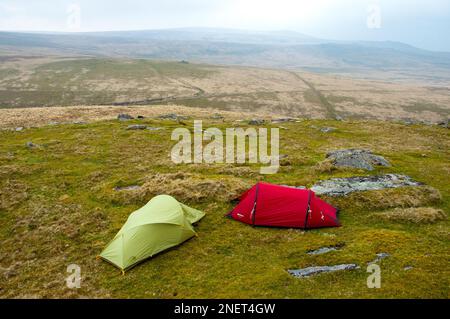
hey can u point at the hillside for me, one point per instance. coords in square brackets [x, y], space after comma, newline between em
[289, 50]
[63, 197]
[33, 81]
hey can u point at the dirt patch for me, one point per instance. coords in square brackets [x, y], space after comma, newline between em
[416, 215]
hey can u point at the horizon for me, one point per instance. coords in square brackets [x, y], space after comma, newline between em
[417, 23]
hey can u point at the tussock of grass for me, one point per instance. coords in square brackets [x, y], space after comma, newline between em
[186, 187]
[12, 193]
[325, 167]
[388, 198]
[416, 215]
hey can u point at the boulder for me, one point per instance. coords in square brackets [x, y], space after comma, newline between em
[173, 117]
[344, 186]
[124, 117]
[327, 129]
[356, 158]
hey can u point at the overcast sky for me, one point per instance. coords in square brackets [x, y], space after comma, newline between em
[423, 23]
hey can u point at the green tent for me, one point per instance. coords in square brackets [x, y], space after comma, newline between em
[162, 223]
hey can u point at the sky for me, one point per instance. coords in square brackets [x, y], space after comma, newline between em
[422, 23]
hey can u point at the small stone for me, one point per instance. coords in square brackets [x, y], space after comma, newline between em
[31, 145]
[327, 129]
[309, 271]
[338, 118]
[256, 122]
[286, 119]
[19, 129]
[406, 268]
[379, 257]
[124, 117]
[127, 188]
[141, 117]
[217, 116]
[172, 116]
[322, 250]
[136, 127]
[150, 128]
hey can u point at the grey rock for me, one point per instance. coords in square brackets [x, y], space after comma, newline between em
[344, 186]
[379, 257]
[322, 250]
[256, 122]
[357, 158]
[327, 129]
[31, 145]
[173, 117]
[217, 116]
[18, 129]
[79, 122]
[285, 119]
[309, 271]
[124, 117]
[408, 267]
[151, 128]
[127, 188]
[136, 127]
[338, 118]
[444, 123]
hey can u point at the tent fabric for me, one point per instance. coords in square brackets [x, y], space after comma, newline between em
[161, 224]
[282, 206]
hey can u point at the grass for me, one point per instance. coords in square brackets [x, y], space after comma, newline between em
[58, 207]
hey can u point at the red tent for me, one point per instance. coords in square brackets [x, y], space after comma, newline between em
[282, 206]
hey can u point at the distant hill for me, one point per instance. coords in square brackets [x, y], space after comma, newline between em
[280, 49]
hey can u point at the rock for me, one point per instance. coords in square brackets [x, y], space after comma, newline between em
[32, 145]
[150, 128]
[338, 118]
[344, 186]
[444, 123]
[136, 127]
[127, 188]
[408, 267]
[356, 158]
[297, 187]
[322, 250]
[285, 119]
[380, 256]
[18, 129]
[256, 122]
[79, 122]
[217, 116]
[172, 116]
[141, 117]
[124, 117]
[327, 129]
[309, 271]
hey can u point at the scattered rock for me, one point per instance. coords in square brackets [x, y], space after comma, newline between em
[344, 186]
[79, 122]
[379, 257]
[137, 127]
[286, 119]
[322, 250]
[327, 129]
[338, 118]
[309, 271]
[217, 116]
[357, 158]
[408, 268]
[127, 188]
[256, 122]
[124, 117]
[444, 123]
[31, 145]
[154, 128]
[172, 116]
[18, 129]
